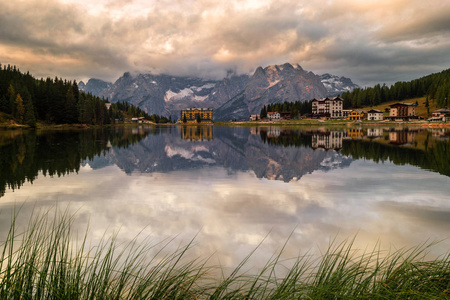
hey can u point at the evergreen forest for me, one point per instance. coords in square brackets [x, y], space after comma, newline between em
[27, 100]
[434, 86]
[294, 108]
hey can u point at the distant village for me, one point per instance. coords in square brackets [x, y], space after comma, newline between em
[331, 108]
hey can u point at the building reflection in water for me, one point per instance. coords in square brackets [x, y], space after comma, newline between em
[197, 133]
[322, 138]
[374, 133]
[327, 139]
[440, 134]
[402, 136]
[355, 133]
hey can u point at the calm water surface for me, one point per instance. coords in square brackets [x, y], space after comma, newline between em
[235, 187]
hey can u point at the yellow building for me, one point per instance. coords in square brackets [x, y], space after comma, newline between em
[356, 115]
[193, 115]
[197, 133]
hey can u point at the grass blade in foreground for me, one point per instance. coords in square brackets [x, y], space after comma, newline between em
[43, 262]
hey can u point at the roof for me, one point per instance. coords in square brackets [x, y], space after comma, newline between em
[402, 104]
[328, 98]
[375, 111]
[197, 108]
[272, 112]
[442, 110]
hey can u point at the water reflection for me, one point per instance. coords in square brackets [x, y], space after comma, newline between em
[23, 154]
[197, 133]
[240, 185]
[270, 152]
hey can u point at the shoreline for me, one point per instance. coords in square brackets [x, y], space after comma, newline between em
[296, 123]
[77, 126]
[304, 123]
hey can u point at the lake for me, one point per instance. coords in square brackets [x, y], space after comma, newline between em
[234, 187]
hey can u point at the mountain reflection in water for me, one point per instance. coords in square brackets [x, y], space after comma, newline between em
[234, 185]
[270, 152]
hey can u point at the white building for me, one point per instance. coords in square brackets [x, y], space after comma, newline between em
[441, 115]
[254, 117]
[374, 115]
[328, 107]
[273, 116]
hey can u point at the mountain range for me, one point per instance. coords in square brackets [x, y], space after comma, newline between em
[233, 97]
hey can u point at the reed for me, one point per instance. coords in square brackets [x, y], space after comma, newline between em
[44, 262]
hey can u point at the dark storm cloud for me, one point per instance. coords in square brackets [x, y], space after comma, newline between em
[435, 22]
[373, 64]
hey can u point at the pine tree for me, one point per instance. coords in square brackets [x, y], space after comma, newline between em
[71, 113]
[11, 96]
[30, 117]
[263, 113]
[4, 104]
[19, 109]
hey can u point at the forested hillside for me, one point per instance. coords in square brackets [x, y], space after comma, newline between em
[435, 86]
[56, 101]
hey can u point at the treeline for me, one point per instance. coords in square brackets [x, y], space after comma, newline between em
[434, 86]
[295, 108]
[56, 101]
[121, 109]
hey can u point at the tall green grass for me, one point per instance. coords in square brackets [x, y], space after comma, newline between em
[44, 261]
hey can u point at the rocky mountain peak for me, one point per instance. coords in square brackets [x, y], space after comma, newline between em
[94, 86]
[259, 72]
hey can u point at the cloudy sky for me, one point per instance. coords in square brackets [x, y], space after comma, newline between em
[369, 41]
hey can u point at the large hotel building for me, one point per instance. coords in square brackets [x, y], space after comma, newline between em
[192, 115]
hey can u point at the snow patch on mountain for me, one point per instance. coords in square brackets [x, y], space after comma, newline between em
[205, 86]
[200, 98]
[337, 85]
[172, 96]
